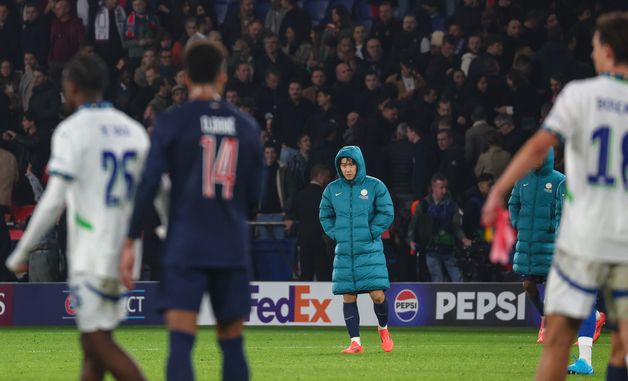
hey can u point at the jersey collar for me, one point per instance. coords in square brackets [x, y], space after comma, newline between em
[101, 104]
[615, 76]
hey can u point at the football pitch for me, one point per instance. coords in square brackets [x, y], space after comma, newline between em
[292, 353]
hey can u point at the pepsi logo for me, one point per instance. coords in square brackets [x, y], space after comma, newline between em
[70, 307]
[406, 305]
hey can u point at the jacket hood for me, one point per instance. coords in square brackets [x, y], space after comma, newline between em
[354, 153]
[548, 164]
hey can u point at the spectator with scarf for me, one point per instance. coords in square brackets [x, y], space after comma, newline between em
[142, 29]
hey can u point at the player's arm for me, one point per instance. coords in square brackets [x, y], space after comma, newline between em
[532, 152]
[156, 165]
[384, 211]
[327, 214]
[46, 215]
[514, 205]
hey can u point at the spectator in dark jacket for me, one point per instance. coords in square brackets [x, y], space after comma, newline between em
[435, 229]
[488, 64]
[324, 115]
[441, 65]
[292, 114]
[298, 165]
[32, 147]
[45, 102]
[9, 35]
[399, 164]
[297, 19]
[241, 81]
[344, 89]
[273, 57]
[313, 254]
[452, 163]
[66, 34]
[512, 137]
[367, 101]
[237, 21]
[387, 28]
[267, 98]
[35, 37]
[474, 201]
[421, 167]
[475, 137]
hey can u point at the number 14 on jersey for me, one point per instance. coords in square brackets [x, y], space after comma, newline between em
[219, 168]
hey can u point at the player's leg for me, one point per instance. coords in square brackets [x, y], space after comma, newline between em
[380, 305]
[616, 369]
[352, 321]
[230, 338]
[100, 347]
[182, 331]
[92, 369]
[570, 295]
[230, 296]
[561, 331]
[530, 286]
[180, 295]
[585, 345]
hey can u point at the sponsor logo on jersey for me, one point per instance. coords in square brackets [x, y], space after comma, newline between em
[406, 305]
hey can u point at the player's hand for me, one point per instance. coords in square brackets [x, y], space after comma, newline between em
[466, 242]
[288, 224]
[493, 203]
[127, 259]
[16, 265]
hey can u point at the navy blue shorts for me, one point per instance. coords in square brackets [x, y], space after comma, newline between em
[229, 291]
[538, 279]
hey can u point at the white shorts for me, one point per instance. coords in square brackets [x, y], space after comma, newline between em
[573, 282]
[100, 303]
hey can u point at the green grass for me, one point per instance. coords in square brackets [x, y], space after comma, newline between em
[290, 353]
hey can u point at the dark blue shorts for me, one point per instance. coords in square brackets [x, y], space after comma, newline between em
[538, 279]
[229, 291]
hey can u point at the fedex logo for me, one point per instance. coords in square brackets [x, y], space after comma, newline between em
[297, 307]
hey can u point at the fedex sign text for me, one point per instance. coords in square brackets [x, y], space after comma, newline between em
[298, 307]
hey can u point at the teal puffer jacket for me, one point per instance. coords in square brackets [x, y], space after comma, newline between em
[355, 214]
[535, 207]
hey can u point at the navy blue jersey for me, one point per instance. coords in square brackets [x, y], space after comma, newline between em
[213, 155]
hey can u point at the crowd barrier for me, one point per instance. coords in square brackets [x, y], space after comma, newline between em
[298, 303]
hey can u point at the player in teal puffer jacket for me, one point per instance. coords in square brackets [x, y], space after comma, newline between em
[355, 210]
[535, 207]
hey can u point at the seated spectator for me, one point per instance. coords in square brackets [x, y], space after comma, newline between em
[317, 80]
[179, 96]
[494, 160]
[161, 100]
[149, 59]
[273, 57]
[241, 81]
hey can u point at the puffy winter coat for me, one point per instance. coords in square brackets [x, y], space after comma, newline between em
[355, 214]
[535, 207]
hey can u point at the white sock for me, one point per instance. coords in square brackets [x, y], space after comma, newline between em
[357, 340]
[597, 315]
[585, 345]
[382, 328]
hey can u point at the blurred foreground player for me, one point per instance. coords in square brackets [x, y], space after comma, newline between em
[591, 250]
[214, 158]
[355, 210]
[97, 157]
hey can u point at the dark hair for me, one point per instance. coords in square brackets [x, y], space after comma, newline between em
[271, 145]
[272, 71]
[317, 170]
[612, 30]
[478, 113]
[485, 177]
[203, 62]
[88, 73]
[494, 138]
[438, 177]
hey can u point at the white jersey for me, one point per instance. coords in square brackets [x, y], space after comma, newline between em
[592, 117]
[102, 151]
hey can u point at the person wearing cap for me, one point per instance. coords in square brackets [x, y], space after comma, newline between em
[179, 96]
[355, 210]
[408, 79]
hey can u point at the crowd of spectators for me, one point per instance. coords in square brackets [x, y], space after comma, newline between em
[443, 90]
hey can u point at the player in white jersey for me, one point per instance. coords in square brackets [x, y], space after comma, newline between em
[97, 156]
[591, 117]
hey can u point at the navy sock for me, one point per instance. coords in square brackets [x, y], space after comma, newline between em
[352, 318]
[234, 366]
[381, 311]
[616, 374]
[180, 357]
[587, 328]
